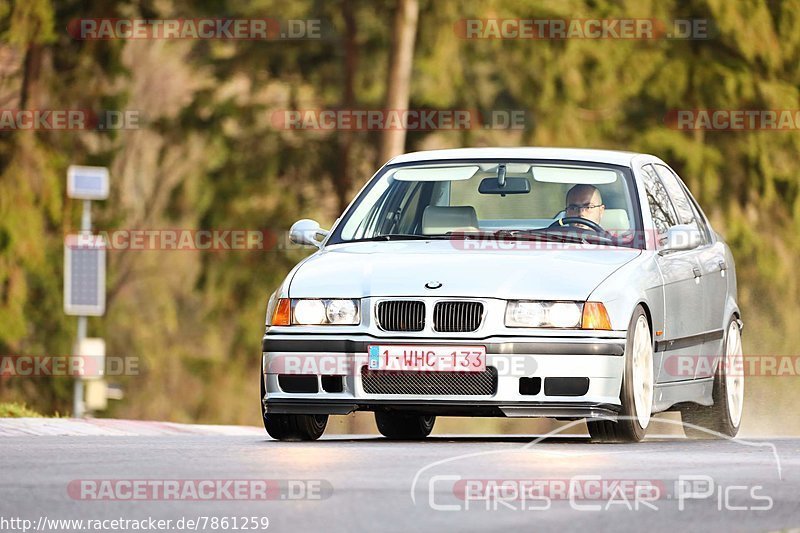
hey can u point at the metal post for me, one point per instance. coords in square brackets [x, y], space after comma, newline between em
[78, 410]
[86, 217]
[77, 401]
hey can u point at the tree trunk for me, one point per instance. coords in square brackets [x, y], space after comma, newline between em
[29, 92]
[343, 179]
[399, 79]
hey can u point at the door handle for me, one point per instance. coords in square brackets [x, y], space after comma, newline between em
[697, 272]
[722, 265]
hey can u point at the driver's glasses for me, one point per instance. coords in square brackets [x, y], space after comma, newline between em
[577, 208]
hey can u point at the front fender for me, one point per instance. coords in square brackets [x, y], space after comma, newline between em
[732, 300]
[637, 282]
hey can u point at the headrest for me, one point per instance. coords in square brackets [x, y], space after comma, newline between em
[615, 220]
[437, 219]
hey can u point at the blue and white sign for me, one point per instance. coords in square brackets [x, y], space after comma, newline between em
[87, 183]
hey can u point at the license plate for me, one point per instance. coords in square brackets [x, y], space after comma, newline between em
[427, 358]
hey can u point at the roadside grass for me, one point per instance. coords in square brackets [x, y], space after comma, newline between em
[17, 410]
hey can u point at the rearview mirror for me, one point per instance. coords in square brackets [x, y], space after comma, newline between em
[510, 186]
[307, 231]
[682, 237]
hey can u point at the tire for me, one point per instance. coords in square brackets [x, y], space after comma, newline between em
[723, 418]
[636, 392]
[401, 426]
[295, 427]
[291, 427]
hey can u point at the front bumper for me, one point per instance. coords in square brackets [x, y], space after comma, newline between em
[594, 359]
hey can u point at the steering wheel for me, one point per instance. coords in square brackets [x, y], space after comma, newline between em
[579, 220]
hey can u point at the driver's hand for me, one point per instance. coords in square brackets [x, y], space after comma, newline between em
[576, 225]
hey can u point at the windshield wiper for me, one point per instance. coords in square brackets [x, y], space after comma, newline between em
[401, 237]
[539, 235]
[542, 234]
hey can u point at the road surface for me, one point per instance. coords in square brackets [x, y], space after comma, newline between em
[366, 483]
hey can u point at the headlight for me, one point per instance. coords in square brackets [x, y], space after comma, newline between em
[309, 312]
[325, 312]
[565, 315]
[522, 314]
[341, 312]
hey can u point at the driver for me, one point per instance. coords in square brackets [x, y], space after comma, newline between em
[585, 201]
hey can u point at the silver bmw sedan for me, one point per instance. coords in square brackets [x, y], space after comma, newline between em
[509, 282]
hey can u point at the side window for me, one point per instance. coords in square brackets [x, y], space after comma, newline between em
[363, 217]
[677, 194]
[705, 227]
[661, 209]
[408, 210]
[398, 214]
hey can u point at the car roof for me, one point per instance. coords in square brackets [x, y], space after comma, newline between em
[613, 157]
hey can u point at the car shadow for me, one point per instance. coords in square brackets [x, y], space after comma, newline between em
[465, 439]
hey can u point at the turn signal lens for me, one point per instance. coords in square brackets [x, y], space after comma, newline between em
[282, 314]
[595, 316]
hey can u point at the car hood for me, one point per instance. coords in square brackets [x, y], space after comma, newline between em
[356, 270]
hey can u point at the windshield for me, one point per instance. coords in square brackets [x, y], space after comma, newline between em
[520, 200]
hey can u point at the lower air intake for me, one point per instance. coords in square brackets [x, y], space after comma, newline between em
[430, 383]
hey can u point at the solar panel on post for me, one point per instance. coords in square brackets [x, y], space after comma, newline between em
[84, 275]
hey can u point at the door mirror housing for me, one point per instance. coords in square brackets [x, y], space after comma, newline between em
[682, 237]
[307, 231]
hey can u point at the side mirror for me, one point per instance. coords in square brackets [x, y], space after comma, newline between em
[682, 237]
[307, 231]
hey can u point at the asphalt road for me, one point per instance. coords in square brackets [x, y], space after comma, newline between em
[366, 483]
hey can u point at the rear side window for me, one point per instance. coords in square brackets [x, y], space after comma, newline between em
[661, 209]
[679, 199]
[705, 228]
